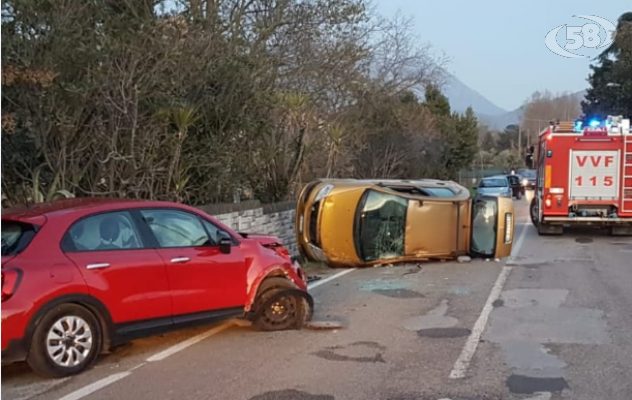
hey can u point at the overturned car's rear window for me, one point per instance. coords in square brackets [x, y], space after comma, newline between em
[16, 236]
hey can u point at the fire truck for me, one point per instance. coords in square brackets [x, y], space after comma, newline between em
[584, 176]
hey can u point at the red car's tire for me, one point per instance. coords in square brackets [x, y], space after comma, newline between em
[280, 305]
[66, 341]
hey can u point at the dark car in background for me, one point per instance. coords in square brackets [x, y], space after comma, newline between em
[528, 178]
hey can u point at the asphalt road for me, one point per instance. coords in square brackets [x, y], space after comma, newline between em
[552, 322]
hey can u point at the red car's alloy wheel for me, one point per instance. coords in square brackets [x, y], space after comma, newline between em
[66, 341]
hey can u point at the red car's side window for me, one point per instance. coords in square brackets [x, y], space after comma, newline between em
[108, 231]
[174, 228]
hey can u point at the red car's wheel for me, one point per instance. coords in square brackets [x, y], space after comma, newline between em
[280, 305]
[66, 341]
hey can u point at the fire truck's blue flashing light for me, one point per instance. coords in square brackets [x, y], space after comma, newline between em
[578, 125]
[594, 123]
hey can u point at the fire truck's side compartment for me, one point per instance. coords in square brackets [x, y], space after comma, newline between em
[559, 176]
[626, 190]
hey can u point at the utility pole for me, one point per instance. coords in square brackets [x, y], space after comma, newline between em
[519, 140]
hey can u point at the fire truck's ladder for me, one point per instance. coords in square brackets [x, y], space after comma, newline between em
[627, 172]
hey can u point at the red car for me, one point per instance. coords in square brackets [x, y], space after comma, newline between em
[81, 276]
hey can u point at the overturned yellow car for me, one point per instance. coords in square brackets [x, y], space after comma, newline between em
[358, 223]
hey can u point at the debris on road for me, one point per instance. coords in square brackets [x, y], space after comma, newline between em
[313, 278]
[323, 325]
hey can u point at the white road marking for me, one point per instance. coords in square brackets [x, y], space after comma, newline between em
[518, 244]
[93, 387]
[189, 342]
[463, 362]
[100, 384]
[330, 278]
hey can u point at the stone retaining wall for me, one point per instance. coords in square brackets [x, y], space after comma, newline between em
[253, 217]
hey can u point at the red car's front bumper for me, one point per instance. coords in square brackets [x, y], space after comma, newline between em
[300, 273]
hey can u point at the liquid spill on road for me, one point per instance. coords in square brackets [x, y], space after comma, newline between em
[459, 291]
[362, 352]
[291, 394]
[444, 333]
[532, 358]
[399, 293]
[397, 289]
[624, 247]
[584, 240]
[498, 303]
[519, 384]
[535, 265]
[435, 318]
[384, 284]
[527, 321]
[520, 298]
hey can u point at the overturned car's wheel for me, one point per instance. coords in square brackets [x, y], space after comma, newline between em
[280, 305]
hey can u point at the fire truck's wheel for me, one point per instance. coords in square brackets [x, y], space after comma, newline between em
[533, 210]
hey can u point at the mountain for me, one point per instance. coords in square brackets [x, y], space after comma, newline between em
[462, 96]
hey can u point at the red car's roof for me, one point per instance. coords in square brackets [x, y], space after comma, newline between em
[51, 207]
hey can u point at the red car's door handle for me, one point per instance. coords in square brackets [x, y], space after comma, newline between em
[97, 265]
[180, 260]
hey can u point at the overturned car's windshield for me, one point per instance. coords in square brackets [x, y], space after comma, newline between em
[493, 183]
[380, 226]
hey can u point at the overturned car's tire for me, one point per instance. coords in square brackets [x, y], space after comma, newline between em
[280, 305]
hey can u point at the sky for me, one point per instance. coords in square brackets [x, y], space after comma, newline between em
[497, 47]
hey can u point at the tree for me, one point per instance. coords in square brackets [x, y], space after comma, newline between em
[488, 143]
[543, 107]
[121, 98]
[457, 134]
[467, 138]
[610, 91]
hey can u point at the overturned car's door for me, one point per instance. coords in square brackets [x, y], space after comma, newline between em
[492, 227]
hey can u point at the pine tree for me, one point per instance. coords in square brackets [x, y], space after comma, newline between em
[489, 142]
[611, 79]
[458, 134]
